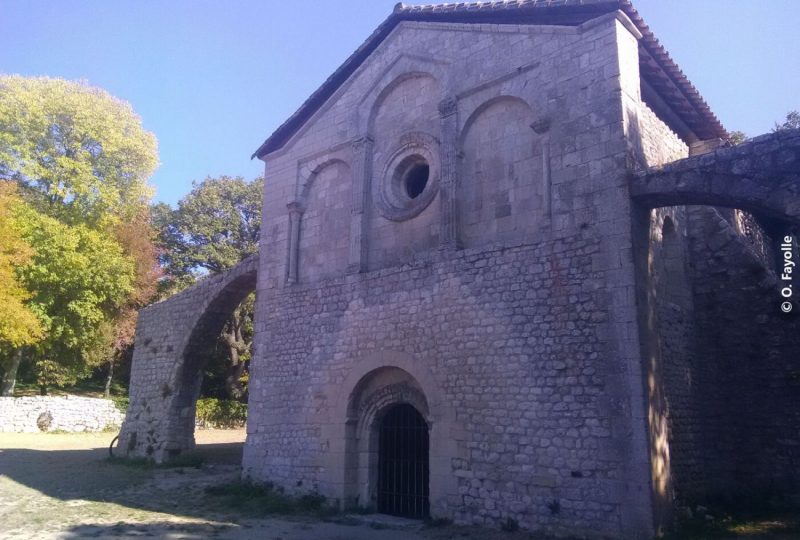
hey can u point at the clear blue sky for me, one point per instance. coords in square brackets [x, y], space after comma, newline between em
[212, 79]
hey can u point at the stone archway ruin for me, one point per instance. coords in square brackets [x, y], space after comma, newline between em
[718, 354]
[761, 176]
[171, 339]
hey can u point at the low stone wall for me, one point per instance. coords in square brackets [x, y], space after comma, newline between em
[51, 413]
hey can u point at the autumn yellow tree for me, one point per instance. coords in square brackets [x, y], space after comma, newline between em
[19, 326]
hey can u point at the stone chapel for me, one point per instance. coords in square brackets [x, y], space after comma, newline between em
[486, 293]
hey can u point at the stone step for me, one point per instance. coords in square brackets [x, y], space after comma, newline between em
[385, 521]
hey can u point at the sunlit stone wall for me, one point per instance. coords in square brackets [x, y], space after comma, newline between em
[57, 413]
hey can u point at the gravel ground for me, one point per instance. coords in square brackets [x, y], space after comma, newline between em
[61, 486]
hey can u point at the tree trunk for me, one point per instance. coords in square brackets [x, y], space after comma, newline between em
[232, 385]
[232, 375]
[9, 380]
[237, 346]
[107, 389]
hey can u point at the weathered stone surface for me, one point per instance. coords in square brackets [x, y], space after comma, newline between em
[57, 413]
[523, 345]
[761, 175]
[172, 338]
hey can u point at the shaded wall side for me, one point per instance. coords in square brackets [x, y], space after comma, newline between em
[752, 353]
[666, 319]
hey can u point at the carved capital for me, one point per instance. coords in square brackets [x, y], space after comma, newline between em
[295, 207]
[448, 107]
[361, 143]
[541, 125]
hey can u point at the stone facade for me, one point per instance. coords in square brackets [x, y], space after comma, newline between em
[49, 413]
[496, 240]
[529, 375]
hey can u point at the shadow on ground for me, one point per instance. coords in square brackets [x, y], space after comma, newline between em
[62, 490]
[185, 531]
[89, 475]
[64, 487]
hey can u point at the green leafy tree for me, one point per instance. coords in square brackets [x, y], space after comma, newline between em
[81, 157]
[737, 137]
[213, 228]
[79, 278]
[792, 121]
[80, 154]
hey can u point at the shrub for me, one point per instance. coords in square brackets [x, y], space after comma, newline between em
[121, 402]
[221, 413]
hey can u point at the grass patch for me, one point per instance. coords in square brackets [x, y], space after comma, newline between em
[263, 499]
[763, 525]
[185, 460]
[434, 523]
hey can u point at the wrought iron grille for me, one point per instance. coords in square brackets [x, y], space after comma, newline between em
[403, 468]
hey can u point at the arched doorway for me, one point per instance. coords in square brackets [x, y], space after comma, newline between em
[403, 463]
[388, 444]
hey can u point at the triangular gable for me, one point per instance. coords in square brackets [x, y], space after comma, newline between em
[656, 67]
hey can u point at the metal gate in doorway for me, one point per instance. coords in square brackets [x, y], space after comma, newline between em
[403, 468]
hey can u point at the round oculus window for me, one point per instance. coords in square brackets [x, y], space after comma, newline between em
[410, 179]
[411, 176]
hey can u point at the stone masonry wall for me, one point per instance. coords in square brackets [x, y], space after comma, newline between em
[525, 344]
[513, 341]
[750, 352]
[172, 338]
[667, 324]
[57, 413]
[722, 395]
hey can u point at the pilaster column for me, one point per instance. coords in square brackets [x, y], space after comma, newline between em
[362, 175]
[295, 217]
[448, 234]
[542, 128]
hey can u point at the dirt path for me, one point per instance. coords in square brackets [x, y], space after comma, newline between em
[61, 486]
